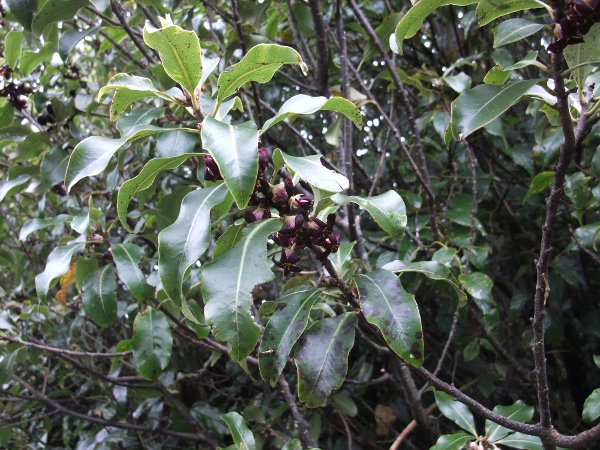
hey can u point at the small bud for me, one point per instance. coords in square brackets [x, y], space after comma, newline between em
[263, 158]
[211, 171]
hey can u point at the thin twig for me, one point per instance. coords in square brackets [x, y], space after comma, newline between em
[116, 8]
[320, 28]
[60, 351]
[291, 401]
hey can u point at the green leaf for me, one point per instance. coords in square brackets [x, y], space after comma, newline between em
[11, 187]
[126, 258]
[322, 357]
[235, 150]
[454, 441]
[55, 11]
[520, 440]
[228, 240]
[260, 64]
[283, 331]
[529, 59]
[180, 54]
[477, 107]
[305, 104]
[54, 166]
[24, 11]
[99, 296]
[227, 283]
[456, 412]
[597, 361]
[37, 224]
[412, 21]
[13, 47]
[139, 116]
[6, 367]
[91, 156]
[176, 144]
[182, 243]
[479, 286]
[591, 407]
[152, 343]
[310, 169]
[489, 10]
[387, 209]
[586, 52]
[7, 115]
[386, 304]
[70, 38]
[518, 411]
[496, 76]
[130, 88]
[30, 60]
[59, 261]
[540, 182]
[144, 180]
[345, 404]
[241, 434]
[514, 30]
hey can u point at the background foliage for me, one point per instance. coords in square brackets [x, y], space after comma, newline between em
[466, 213]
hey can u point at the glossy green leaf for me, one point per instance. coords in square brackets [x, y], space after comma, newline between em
[228, 240]
[322, 357]
[456, 412]
[479, 286]
[529, 60]
[7, 367]
[70, 38]
[496, 76]
[227, 283]
[540, 182]
[24, 11]
[305, 104]
[139, 116]
[283, 331]
[514, 30]
[490, 10]
[13, 47]
[260, 64]
[144, 180]
[59, 261]
[130, 88]
[235, 150]
[241, 434]
[91, 156]
[311, 170]
[126, 258]
[587, 52]
[387, 209]
[53, 11]
[182, 243]
[386, 304]
[34, 225]
[54, 166]
[520, 440]
[152, 343]
[412, 21]
[176, 143]
[100, 297]
[518, 411]
[179, 52]
[30, 60]
[456, 441]
[477, 107]
[591, 407]
[7, 115]
[597, 361]
[11, 187]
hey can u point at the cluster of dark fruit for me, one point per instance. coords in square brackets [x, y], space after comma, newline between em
[573, 18]
[299, 230]
[48, 117]
[15, 92]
